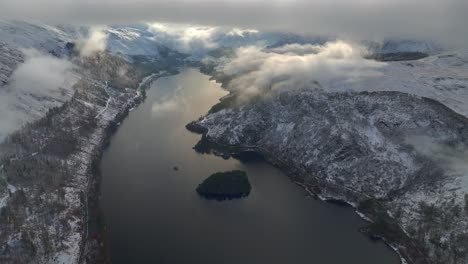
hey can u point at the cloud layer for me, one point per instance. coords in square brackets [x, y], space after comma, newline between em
[34, 87]
[365, 19]
[297, 67]
[197, 39]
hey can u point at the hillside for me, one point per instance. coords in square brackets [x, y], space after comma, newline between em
[380, 151]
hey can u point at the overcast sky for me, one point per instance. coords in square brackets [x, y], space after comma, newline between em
[444, 20]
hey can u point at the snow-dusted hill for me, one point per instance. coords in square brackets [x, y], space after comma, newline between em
[55, 113]
[46, 167]
[394, 143]
[36, 72]
[132, 40]
[442, 77]
[404, 152]
[395, 46]
[29, 35]
[33, 77]
[31, 83]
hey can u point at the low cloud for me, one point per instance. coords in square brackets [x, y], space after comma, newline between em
[96, 41]
[196, 39]
[184, 38]
[41, 73]
[259, 71]
[437, 20]
[36, 84]
[454, 159]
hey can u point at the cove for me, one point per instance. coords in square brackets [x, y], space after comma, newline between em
[154, 215]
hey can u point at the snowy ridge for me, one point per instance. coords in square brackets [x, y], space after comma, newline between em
[395, 46]
[441, 77]
[32, 35]
[132, 41]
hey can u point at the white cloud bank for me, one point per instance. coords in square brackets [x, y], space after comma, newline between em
[40, 73]
[35, 85]
[184, 38]
[196, 39]
[96, 41]
[298, 66]
[364, 19]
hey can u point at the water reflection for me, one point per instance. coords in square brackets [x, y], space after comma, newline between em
[154, 215]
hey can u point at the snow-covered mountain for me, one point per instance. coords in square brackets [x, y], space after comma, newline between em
[442, 77]
[57, 108]
[29, 35]
[404, 154]
[46, 167]
[393, 143]
[125, 40]
[395, 46]
[132, 40]
[36, 72]
[33, 77]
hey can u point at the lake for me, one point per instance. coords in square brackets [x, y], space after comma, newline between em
[154, 215]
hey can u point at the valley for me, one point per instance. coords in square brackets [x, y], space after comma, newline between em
[101, 152]
[154, 214]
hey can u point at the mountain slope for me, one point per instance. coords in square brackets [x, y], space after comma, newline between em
[10, 58]
[441, 77]
[364, 147]
[29, 35]
[47, 166]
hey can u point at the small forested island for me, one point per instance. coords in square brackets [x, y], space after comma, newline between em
[225, 185]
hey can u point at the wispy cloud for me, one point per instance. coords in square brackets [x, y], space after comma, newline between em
[185, 38]
[259, 71]
[96, 41]
[454, 159]
[34, 85]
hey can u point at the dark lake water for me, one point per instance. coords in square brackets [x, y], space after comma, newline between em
[154, 215]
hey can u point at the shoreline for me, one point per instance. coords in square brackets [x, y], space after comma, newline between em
[357, 212]
[328, 197]
[95, 248]
[319, 190]
[407, 250]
